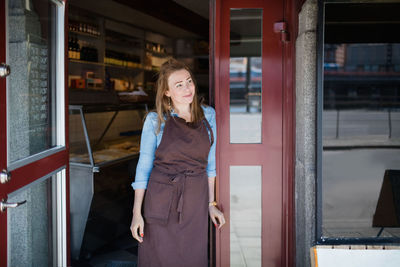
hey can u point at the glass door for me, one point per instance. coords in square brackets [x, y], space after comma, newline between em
[33, 155]
[249, 106]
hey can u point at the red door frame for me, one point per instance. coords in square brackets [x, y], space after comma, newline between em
[280, 252]
[3, 133]
[37, 169]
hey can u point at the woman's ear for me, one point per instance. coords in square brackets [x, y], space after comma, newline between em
[167, 93]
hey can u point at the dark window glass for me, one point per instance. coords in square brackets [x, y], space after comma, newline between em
[360, 123]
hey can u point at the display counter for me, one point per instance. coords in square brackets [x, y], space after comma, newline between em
[90, 155]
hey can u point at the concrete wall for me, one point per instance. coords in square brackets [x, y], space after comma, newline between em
[305, 168]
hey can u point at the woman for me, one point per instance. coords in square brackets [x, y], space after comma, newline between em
[177, 168]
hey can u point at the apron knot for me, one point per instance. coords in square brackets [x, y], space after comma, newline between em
[180, 179]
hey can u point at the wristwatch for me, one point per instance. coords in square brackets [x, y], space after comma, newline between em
[212, 203]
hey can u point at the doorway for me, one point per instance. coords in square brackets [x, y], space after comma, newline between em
[115, 51]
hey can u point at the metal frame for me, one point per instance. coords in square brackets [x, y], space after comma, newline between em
[61, 218]
[30, 159]
[319, 103]
[319, 147]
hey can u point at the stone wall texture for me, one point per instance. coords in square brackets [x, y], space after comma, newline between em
[306, 98]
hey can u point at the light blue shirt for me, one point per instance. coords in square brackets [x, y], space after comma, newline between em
[150, 141]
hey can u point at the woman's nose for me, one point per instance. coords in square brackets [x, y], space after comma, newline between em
[187, 86]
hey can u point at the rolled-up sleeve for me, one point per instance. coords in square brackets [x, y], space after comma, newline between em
[148, 145]
[211, 166]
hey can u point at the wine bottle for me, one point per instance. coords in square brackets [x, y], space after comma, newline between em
[69, 48]
[78, 50]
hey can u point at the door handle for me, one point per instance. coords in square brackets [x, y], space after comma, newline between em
[5, 176]
[4, 70]
[4, 205]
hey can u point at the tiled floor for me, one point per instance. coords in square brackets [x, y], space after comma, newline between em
[245, 213]
[122, 252]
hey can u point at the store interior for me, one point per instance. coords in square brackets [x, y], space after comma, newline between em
[115, 48]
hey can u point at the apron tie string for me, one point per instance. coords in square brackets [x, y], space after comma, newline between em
[180, 201]
[178, 178]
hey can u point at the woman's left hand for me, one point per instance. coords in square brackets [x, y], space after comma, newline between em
[216, 216]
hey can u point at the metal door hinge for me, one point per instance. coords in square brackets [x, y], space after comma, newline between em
[281, 28]
[4, 70]
[5, 176]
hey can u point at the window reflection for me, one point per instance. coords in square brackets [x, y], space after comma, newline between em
[31, 92]
[245, 74]
[361, 138]
[31, 226]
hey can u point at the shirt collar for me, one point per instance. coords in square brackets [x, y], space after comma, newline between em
[173, 113]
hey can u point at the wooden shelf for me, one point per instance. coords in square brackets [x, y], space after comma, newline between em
[90, 89]
[86, 34]
[85, 62]
[205, 56]
[124, 67]
[159, 54]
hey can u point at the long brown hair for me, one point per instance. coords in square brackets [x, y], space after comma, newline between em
[162, 101]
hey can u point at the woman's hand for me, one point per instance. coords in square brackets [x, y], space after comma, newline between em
[216, 216]
[137, 224]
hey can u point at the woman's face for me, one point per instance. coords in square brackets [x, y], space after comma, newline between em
[180, 88]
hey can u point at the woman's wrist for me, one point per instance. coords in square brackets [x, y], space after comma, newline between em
[136, 212]
[212, 203]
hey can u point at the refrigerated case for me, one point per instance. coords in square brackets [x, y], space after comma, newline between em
[102, 138]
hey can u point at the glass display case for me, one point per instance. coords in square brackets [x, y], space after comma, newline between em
[101, 137]
[97, 150]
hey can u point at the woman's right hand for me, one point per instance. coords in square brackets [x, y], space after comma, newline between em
[137, 224]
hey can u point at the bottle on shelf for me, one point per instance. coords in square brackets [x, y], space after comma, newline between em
[74, 51]
[70, 48]
[88, 52]
[84, 28]
[77, 49]
[122, 59]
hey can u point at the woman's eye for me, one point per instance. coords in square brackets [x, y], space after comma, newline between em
[190, 81]
[179, 85]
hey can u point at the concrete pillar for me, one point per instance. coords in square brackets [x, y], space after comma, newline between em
[305, 172]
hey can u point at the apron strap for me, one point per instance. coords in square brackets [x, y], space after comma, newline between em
[209, 129]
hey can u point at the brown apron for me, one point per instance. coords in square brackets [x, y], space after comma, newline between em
[176, 201]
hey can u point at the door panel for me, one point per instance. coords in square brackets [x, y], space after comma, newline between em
[250, 187]
[33, 155]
